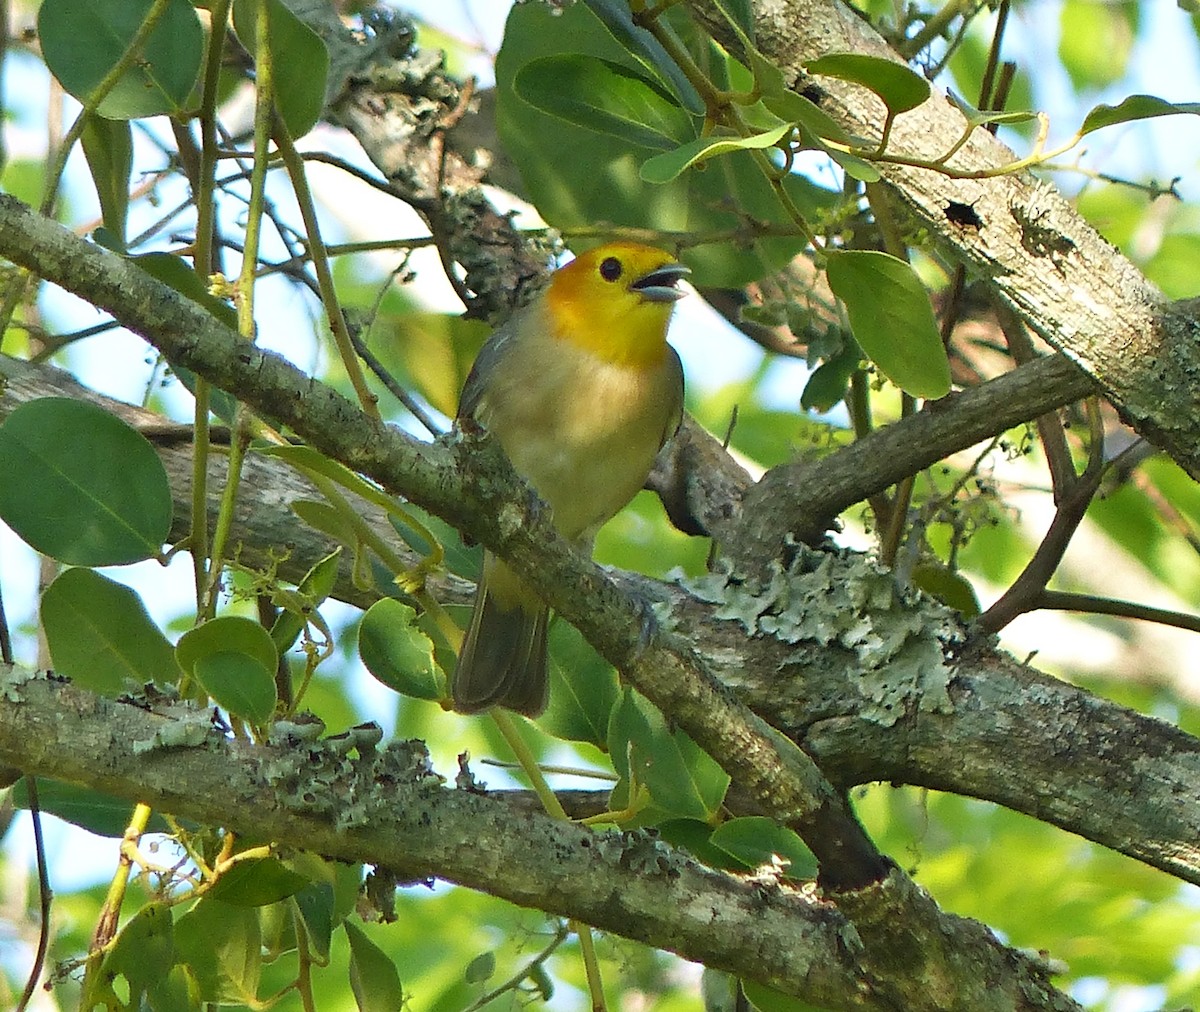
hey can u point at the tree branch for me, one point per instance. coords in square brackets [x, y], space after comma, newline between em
[387, 808]
[1067, 283]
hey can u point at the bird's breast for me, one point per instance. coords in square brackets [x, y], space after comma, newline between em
[582, 431]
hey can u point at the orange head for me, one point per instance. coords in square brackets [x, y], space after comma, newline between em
[616, 301]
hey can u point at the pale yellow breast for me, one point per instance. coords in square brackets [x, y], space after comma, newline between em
[583, 431]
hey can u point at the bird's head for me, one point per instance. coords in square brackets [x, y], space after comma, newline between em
[616, 301]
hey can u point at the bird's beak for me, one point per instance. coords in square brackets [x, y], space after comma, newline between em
[659, 284]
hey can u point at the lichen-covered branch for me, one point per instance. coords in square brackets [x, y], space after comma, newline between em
[389, 809]
[1064, 280]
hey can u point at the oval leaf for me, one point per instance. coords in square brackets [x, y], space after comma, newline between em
[82, 40]
[373, 976]
[299, 58]
[583, 688]
[234, 659]
[239, 684]
[256, 883]
[100, 635]
[222, 945]
[144, 951]
[397, 652]
[892, 319]
[899, 87]
[663, 168]
[684, 782]
[757, 840]
[1135, 107]
[91, 490]
[605, 97]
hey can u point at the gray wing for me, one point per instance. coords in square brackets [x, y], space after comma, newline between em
[494, 349]
[676, 417]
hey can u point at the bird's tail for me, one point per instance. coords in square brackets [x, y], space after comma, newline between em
[503, 660]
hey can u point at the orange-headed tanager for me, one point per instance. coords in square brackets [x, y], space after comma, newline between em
[581, 389]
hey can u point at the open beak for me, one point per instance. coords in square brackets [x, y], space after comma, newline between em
[659, 284]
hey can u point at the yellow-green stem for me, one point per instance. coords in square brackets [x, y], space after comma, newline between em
[110, 912]
[16, 286]
[320, 259]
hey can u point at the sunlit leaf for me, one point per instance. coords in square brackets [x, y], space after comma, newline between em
[1095, 40]
[900, 88]
[1134, 107]
[81, 485]
[397, 652]
[222, 944]
[144, 951]
[82, 40]
[100, 635]
[756, 840]
[663, 168]
[257, 882]
[606, 97]
[373, 976]
[892, 319]
[234, 659]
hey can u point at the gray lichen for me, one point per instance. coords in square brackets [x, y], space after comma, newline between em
[827, 599]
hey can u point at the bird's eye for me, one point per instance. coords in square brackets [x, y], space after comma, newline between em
[611, 269]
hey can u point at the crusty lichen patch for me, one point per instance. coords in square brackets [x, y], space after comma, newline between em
[844, 599]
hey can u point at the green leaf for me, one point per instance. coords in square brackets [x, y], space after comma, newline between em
[814, 120]
[100, 635]
[82, 486]
[606, 97]
[480, 968]
[757, 840]
[255, 883]
[174, 272]
[299, 58]
[234, 659]
[144, 951]
[1133, 108]
[108, 148]
[767, 1000]
[315, 904]
[951, 588]
[460, 559]
[829, 382]
[82, 40]
[397, 652]
[92, 810]
[643, 47]
[892, 319]
[577, 177]
[693, 836]
[683, 781]
[373, 976]
[312, 590]
[583, 688]
[222, 944]
[666, 167]
[900, 88]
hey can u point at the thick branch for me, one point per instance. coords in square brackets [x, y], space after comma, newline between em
[389, 809]
[1064, 280]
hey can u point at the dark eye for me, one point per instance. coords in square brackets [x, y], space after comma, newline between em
[610, 268]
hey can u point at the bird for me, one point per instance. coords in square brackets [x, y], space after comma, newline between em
[581, 390]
